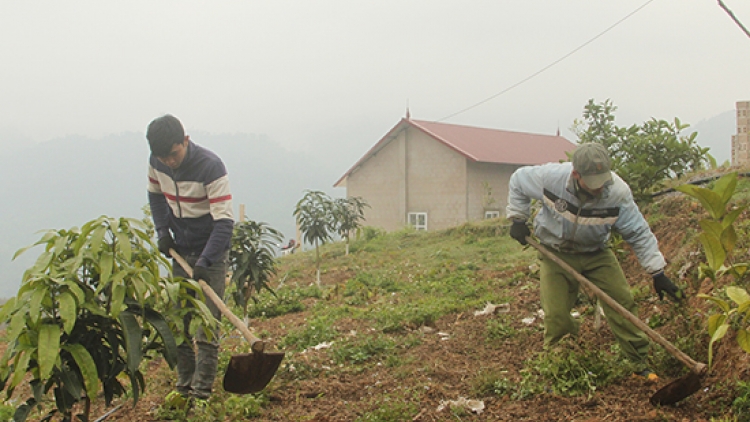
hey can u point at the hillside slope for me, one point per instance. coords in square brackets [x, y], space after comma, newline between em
[392, 334]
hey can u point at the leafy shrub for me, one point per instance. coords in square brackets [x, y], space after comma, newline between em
[643, 155]
[92, 307]
[252, 260]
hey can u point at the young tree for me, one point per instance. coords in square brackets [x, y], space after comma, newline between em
[348, 214]
[92, 307]
[643, 155]
[252, 259]
[315, 220]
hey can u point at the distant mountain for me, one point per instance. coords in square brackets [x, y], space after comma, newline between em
[716, 134]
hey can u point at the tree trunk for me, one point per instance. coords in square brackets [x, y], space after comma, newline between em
[317, 263]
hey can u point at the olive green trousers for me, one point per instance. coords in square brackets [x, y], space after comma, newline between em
[559, 292]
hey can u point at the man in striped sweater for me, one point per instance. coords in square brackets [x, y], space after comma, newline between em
[191, 204]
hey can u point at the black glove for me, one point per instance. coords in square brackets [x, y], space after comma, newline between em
[519, 230]
[662, 284]
[201, 273]
[165, 244]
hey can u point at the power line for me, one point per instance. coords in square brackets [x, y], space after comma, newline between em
[548, 66]
[734, 18]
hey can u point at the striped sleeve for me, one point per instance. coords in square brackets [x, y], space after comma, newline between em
[220, 199]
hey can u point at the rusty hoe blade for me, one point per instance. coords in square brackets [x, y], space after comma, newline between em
[677, 390]
[251, 372]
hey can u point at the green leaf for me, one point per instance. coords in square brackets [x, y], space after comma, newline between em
[721, 331]
[710, 200]
[115, 280]
[728, 240]
[135, 388]
[86, 365]
[48, 349]
[123, 245]
[8, 307]
[714, 322]
[714, 250]
[42, 262]
[22, 250]
[118, 297]
[173, 290]
[17, 323]
[738, 295]
[68, 311]
[162, 327]
[712, 227]
[106, 265]
[743, 309]
[76, 290]
[133, 334]
[97, 239]
[70, 382]
[743, 339]
[61, 246]
[23, 411]
[732, 216]
[20, 367]
[725, 187]
[35, 305]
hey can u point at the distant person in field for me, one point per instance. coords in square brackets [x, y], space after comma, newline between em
[289, 248]
[582, 201]
[191, 204]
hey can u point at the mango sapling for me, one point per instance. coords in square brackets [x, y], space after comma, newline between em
[93, 306]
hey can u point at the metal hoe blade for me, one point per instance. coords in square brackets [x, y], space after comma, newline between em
[677, 390]
[251, 372]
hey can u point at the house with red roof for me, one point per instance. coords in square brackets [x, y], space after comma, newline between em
[437, 175]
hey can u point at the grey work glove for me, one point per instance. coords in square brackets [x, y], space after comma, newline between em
[662, 284]
[165, 244]
[519, 230]
[201, 273]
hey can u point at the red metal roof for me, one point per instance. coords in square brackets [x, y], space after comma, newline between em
[482, 144]
[498, 146]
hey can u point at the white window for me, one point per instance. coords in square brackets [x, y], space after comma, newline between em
[491, 214]
[418, 220]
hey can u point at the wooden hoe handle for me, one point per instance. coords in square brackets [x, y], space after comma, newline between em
[256, 344]
[697, 367]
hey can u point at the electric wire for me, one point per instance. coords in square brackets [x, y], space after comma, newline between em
[522, 81]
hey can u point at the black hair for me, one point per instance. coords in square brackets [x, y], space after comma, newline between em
[164, 132]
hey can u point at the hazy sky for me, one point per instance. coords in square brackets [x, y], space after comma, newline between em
[300, 71]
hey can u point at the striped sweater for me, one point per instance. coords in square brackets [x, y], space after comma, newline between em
[194, 203]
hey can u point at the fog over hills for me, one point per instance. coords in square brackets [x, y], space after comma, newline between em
[68, 181]
[716, 133]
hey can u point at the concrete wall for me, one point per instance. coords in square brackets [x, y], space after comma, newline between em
[436, 181]
[496, 177]
[380, 180]
[741, 141]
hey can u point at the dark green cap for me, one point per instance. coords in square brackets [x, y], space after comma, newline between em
[591, 161]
